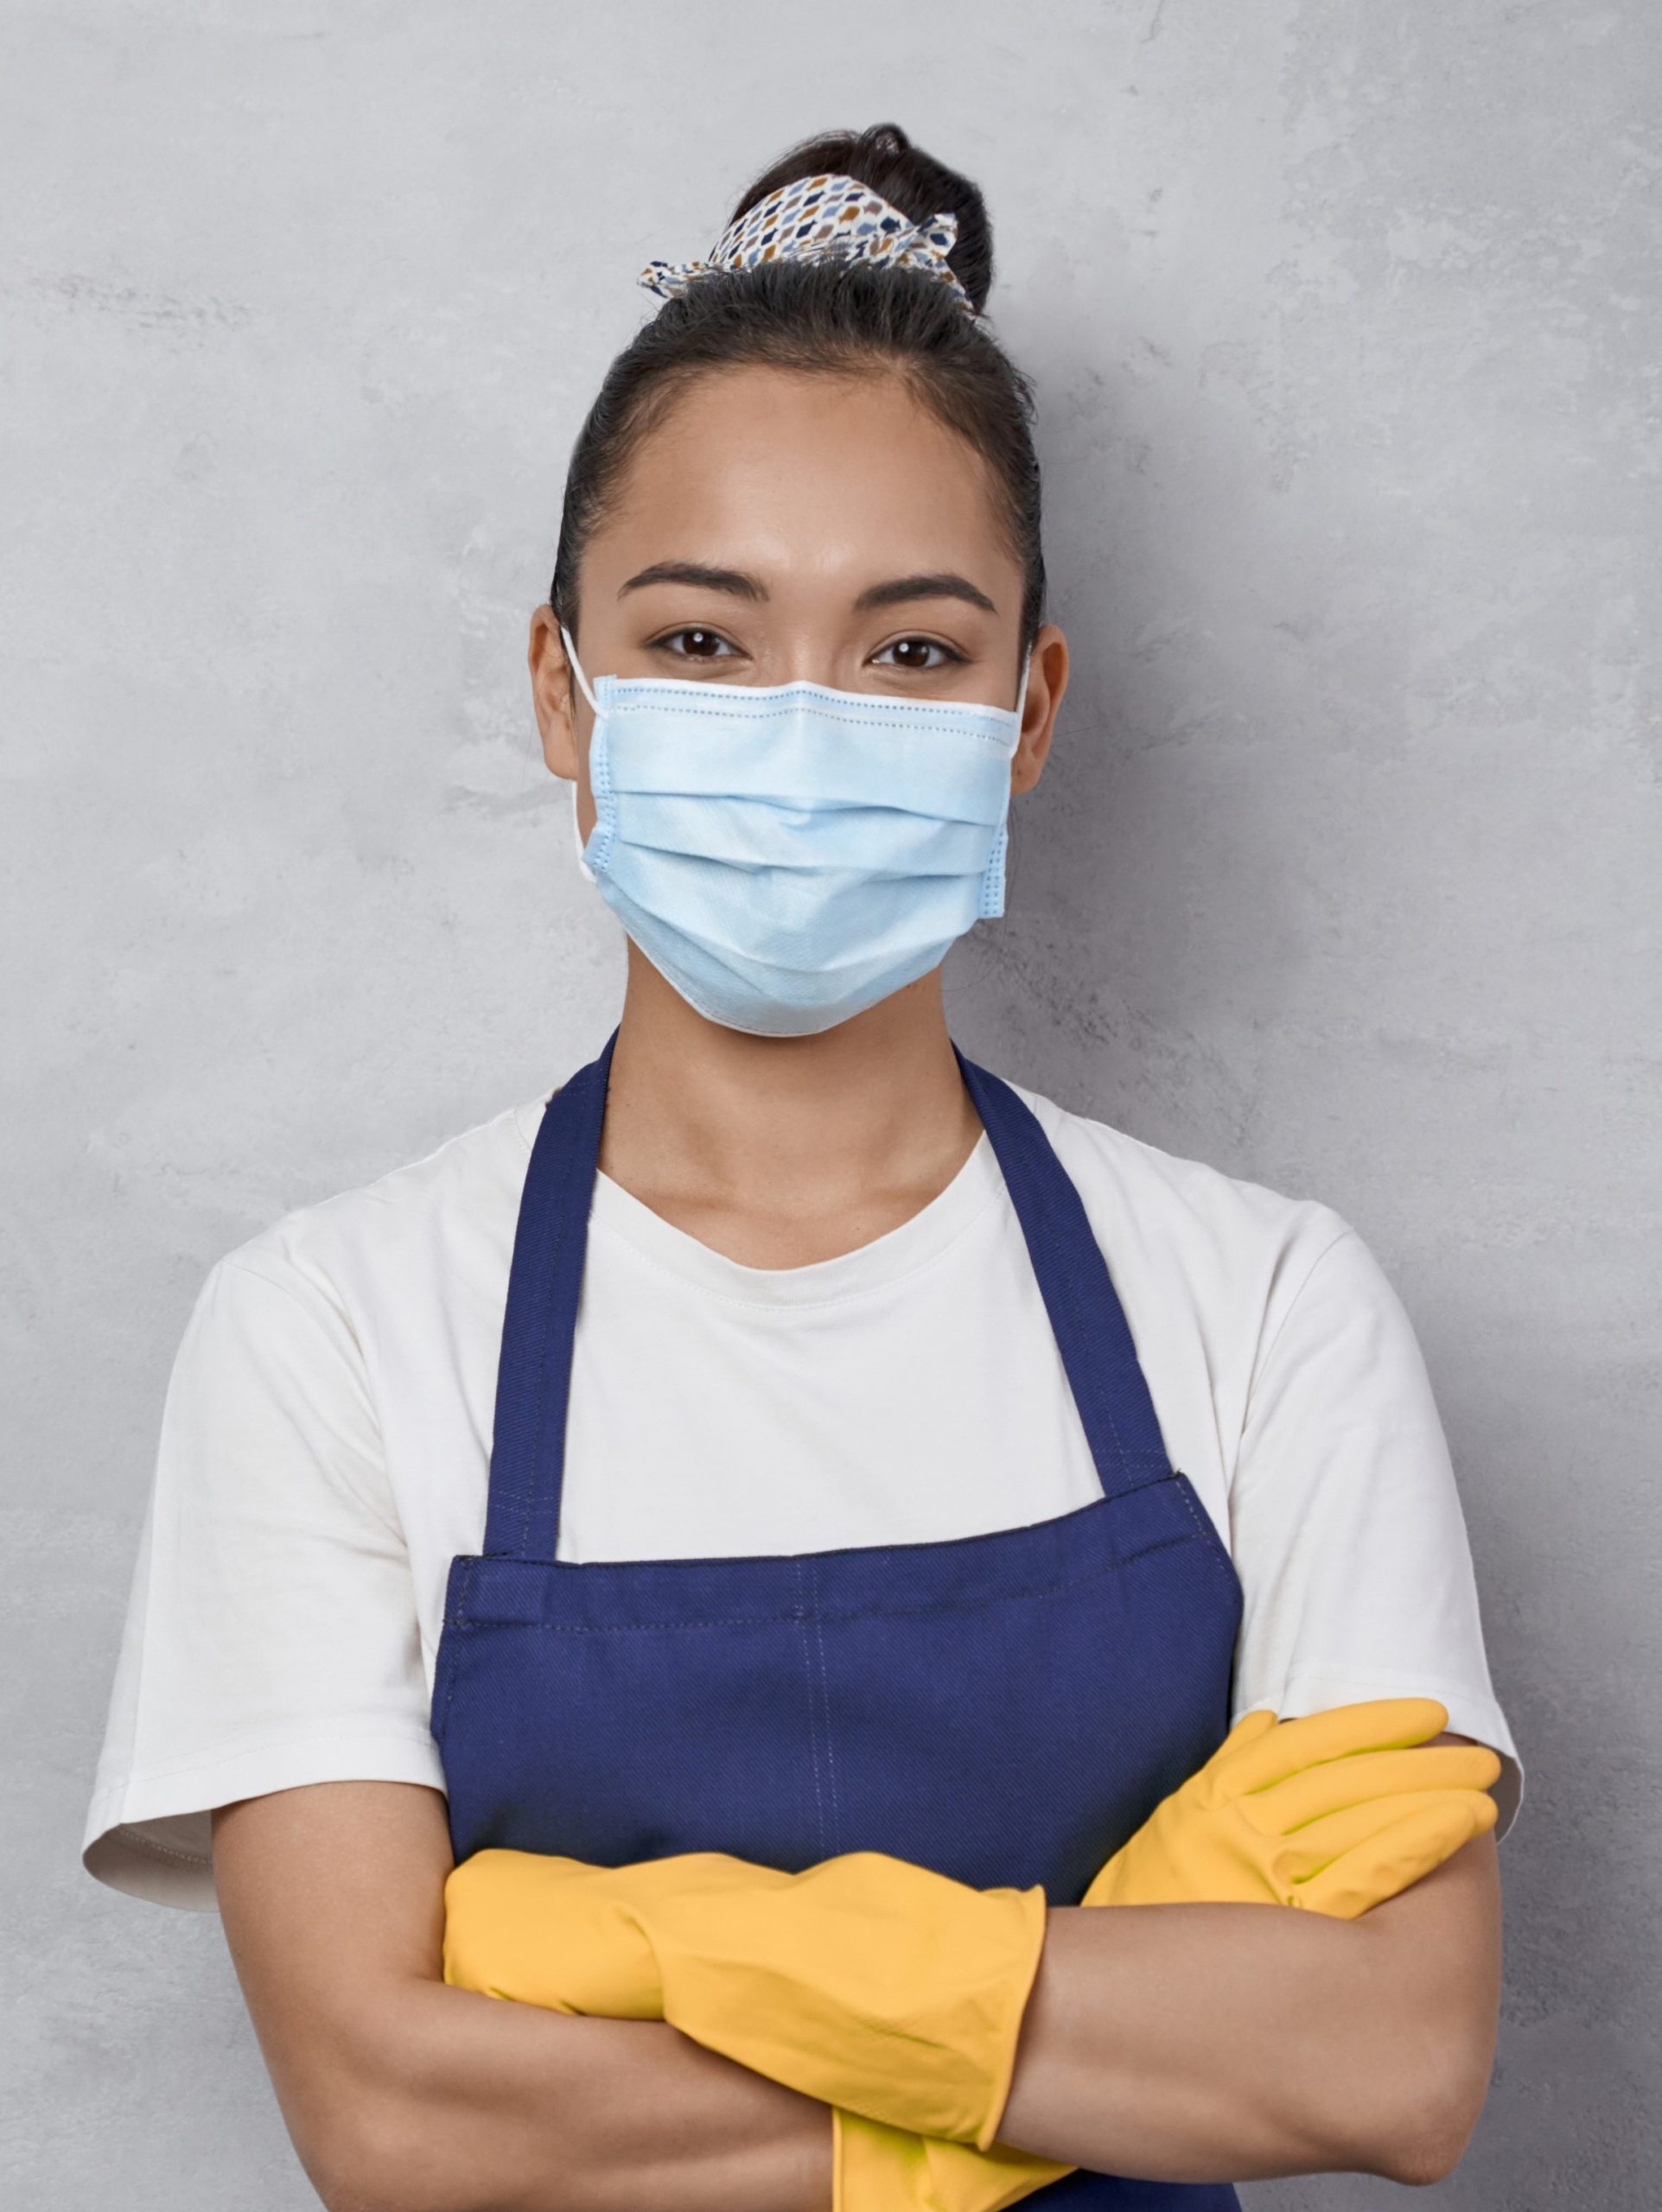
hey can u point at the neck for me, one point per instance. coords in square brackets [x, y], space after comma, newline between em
[780, 1150]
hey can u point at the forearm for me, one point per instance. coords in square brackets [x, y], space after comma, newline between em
[1211, 2042]
[479, 2105]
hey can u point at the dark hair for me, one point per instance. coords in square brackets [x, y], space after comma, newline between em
[838, 315]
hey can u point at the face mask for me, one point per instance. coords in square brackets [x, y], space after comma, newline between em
[787, 856]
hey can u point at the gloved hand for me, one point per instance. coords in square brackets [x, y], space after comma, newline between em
[560, 1933]
[1334, 1814]
[866, 1982]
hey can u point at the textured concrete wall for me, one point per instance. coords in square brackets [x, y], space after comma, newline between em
[1345, 876]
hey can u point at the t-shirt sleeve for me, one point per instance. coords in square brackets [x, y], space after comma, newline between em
[271, 1635]
[1346, 1523]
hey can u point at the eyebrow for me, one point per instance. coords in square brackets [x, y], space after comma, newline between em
[941, 585]
[700, 577]
[938, 584]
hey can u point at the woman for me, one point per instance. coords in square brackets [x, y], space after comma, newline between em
[841, 1522]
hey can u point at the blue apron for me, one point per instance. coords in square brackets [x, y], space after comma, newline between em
[1006, 1709]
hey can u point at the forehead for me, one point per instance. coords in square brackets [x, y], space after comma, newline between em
[804, 468]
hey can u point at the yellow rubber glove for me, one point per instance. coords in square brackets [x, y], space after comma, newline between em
[1334, 1814]
[878, 2169]
[560, 1933]
[866, 1982]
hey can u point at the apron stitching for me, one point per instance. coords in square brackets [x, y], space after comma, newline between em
[825, 1691]
[459, 1620]
[1207, 1528]
[855, 1613]
[799, 1617]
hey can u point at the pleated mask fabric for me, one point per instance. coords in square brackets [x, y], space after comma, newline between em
[787, 855]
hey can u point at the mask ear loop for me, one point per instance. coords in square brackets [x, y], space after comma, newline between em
[1022, 688]
[582, 686]
[577, 668]
[993, 883]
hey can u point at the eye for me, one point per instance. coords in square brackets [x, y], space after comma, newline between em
[917, 653]
[694, 643]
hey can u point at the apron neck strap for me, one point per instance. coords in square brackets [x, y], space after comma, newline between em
[534, 1382]
[1086, 1318]
[533, 1375]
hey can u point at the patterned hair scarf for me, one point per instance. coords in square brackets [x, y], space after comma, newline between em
[821, 219]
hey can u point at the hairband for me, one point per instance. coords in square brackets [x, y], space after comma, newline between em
[821, 219]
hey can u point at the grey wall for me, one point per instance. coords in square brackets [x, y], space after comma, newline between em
[1344, 877]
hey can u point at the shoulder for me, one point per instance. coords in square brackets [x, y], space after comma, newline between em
[406, 1259]
[1235, 1246]
[309, 1342]
[453, 1208]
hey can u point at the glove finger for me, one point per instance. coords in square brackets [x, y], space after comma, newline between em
[1386, 1864]
[1213, 1778]
[1290, 1805]
[1316, 1844]
[1381, 1724]
[1250, 1729]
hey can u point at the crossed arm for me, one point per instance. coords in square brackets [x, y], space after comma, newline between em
[1179, 2042]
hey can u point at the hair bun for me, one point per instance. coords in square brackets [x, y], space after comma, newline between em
[885, 159]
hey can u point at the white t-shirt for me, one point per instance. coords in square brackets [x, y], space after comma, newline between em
[325, 1449]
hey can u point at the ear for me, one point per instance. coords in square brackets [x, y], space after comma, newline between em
[1046, 681]
[563, 714]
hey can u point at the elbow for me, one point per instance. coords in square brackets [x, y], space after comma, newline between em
[1423, 2154]
[361, 2162]
[380, 2156]
[403, 2152]
[1420, 2124]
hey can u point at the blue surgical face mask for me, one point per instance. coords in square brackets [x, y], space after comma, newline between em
[787, 856]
